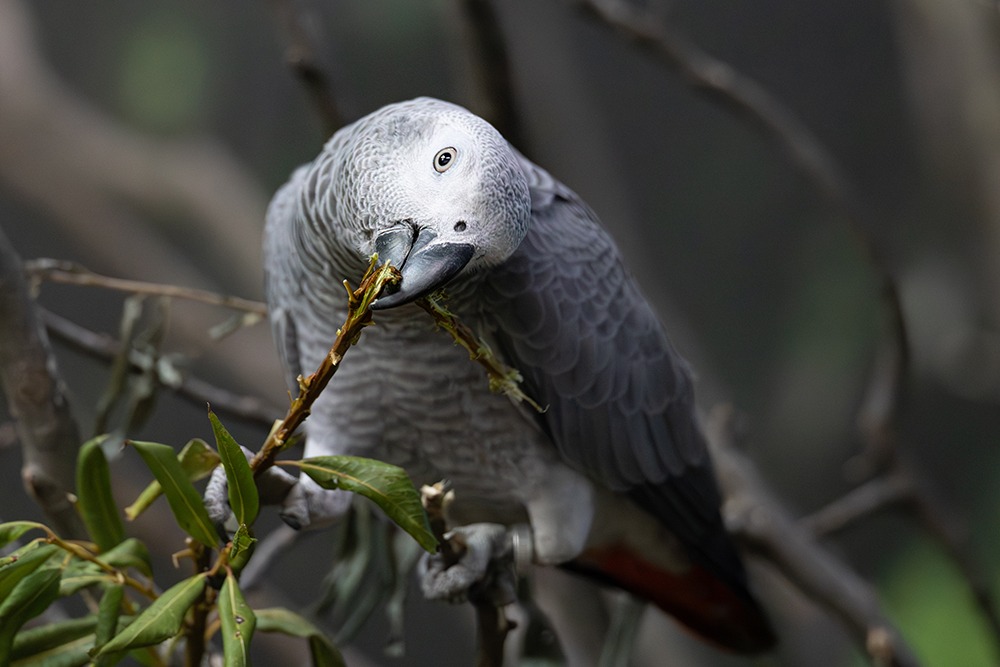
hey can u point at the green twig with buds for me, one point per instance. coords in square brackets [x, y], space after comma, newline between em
[359, 315]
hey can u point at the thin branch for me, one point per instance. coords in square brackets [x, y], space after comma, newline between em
[48, 434]
[359, 316]
[105, 347]
[61, 271]
[487, 68]
[300, 55]
[745, 97]
[890, 490]
[765, 529]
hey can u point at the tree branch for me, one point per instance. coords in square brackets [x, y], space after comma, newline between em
[47, 431]
[107, 348]
[766, 529]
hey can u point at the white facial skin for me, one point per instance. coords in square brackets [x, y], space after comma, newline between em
[445, 171]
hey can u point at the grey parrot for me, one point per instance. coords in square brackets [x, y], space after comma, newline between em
[613, 480]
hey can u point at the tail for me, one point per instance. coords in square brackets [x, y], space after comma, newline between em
[722, 613]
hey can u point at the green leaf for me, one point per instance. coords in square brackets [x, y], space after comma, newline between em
[23, 562]
[242, 548]
[197, 459]
[108, 614]
[52, 643]
[32, 595]
[242, 489]
[12, 530]
[72, 583]
[130, 553]
[387, 485]
[160, 620]
[184, 500]
[96, 504]
[279, 619]
[238, 623]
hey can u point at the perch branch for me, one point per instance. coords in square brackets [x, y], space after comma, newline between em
[48, 434]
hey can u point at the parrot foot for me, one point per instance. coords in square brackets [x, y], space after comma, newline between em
[304, 504]
[486, 567]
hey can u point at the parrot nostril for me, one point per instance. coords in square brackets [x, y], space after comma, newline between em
[460, 226]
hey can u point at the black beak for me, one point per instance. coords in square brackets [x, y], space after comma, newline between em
[425, 263]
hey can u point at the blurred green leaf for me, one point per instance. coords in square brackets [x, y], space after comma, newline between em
[23, 562]
[108, 613]
[130, 553]
[59, 644]
[238, 623]
[161, 620]
[278, 619]
[30, 597]
[12, 530]
[184, 500]
[239, 477]
[197, 459]
[931, 603]
[388, 486]
[96, 504]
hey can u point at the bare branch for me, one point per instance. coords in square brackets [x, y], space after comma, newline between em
[890, 490]
[486, 68]
[745, 97]
[48, 434]
[765, 529]
[300, 55]
[60, 271]
[106, 348]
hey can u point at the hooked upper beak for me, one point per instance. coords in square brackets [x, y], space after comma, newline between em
[424, 262]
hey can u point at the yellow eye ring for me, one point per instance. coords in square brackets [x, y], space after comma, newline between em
[444, 159]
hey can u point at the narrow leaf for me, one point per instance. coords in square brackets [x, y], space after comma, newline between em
[130, 553]
[279, 619]
[184, 500]
[160, 620]
[387, 485]
[73, 583]
[242, 489]
[30, 597]
[197, 459]
[243, 544]
[108, 612]
[43, 638]
[12, 530]
[23, 562]
[96, 504]
[238, 623]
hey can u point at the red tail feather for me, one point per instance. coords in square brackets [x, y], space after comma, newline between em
[720, 613]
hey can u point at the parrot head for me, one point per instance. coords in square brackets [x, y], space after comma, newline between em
[437, 191]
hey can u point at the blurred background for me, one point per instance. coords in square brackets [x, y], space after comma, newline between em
[143, 140]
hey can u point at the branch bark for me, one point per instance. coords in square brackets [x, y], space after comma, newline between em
[48, 434]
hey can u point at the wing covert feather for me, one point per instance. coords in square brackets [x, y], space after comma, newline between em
[572, 320]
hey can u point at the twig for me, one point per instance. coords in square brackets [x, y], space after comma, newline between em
[199, 392]
[492, 625]
[487, 68]
[888, 490]
[502, 378]
[60, 271]
[300, 55]
[764, 528]
[358, 317]
[723, 84]
[48, 434]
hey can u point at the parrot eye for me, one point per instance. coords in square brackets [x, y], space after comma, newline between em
[444, 159]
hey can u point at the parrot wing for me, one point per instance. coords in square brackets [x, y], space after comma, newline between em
[620, 403]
